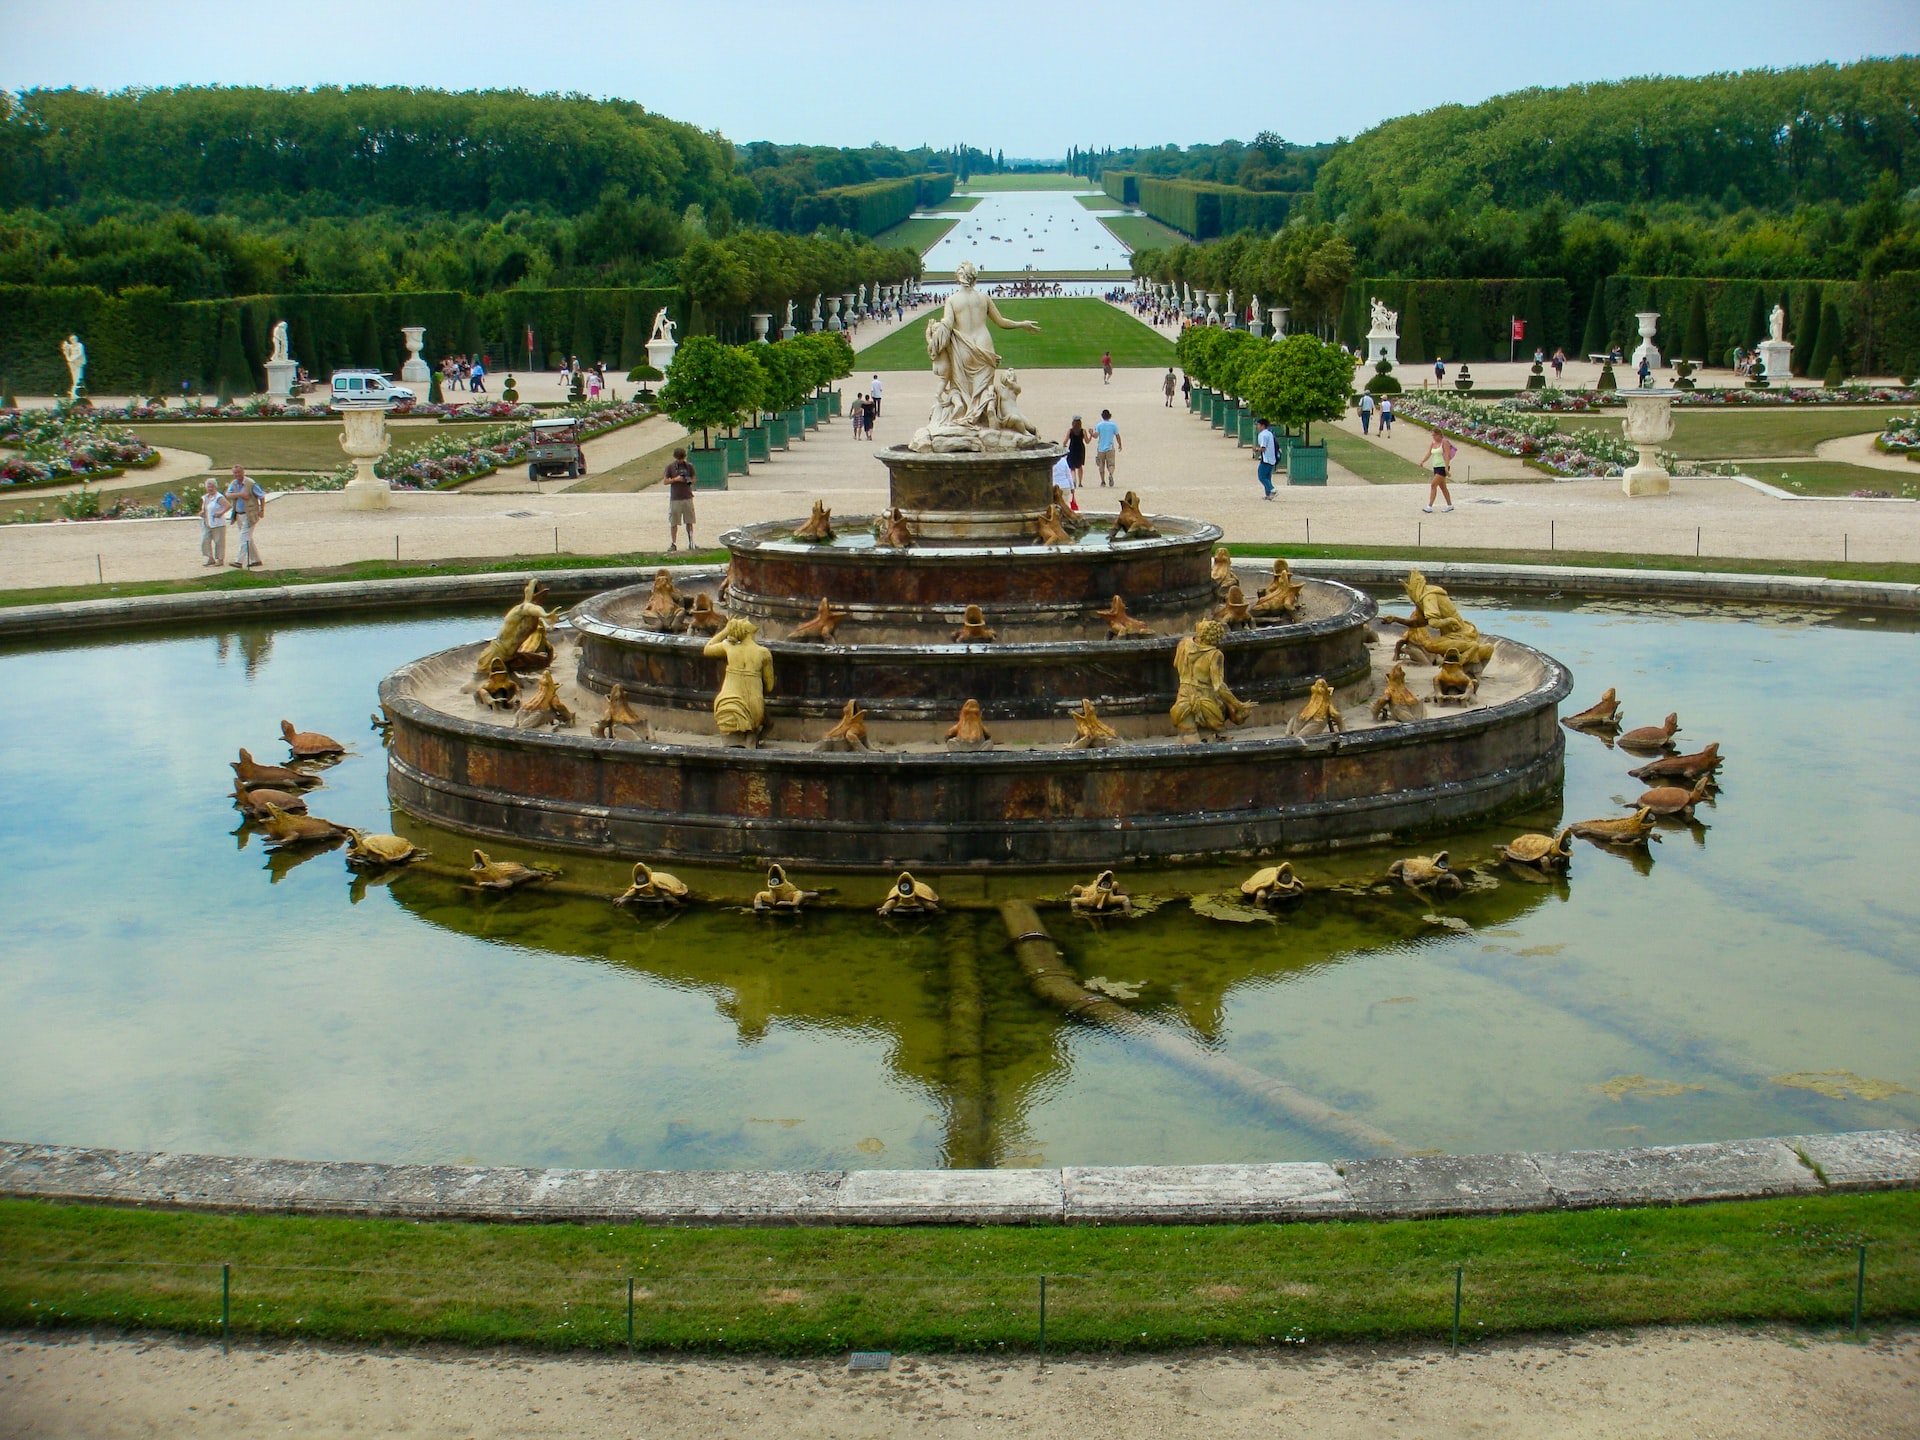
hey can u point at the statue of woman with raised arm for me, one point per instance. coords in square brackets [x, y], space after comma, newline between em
[977, 405]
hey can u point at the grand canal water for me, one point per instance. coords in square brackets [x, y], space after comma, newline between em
[167, 984]
[1012, 230]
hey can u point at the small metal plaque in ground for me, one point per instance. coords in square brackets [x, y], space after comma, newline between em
[870, 1360]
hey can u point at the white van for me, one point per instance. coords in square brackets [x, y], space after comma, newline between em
[368, 390]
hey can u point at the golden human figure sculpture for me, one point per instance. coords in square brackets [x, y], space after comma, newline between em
[976, 407]
[1436, 625]
[740, 709]
[522, 642]
[1204, 702]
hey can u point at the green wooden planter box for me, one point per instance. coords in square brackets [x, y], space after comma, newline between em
[759, 442]
[777, 432]
[1193, 399]
[1205, 405]
[810, 413]
[734, 447]
[1247, 428]
[833, 402]
[1223, 416]
[796, 419]
[1307, 464]
[709, 469]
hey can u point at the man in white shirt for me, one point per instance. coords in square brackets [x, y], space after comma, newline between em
[874, 391]
[1269, 453]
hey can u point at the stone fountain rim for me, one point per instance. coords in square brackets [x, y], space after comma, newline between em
[743, 538]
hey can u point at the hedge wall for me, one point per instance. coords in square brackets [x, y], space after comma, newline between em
[1464, 319]
[1895, 321]
[870, 208]
[1122, 185]
[1205, 210]
[140, 340]
[1730, 313]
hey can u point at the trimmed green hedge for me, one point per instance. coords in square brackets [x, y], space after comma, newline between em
[872, 207]
[1122, 185]
[140, 340]
[1203, 209]
[1464, 319]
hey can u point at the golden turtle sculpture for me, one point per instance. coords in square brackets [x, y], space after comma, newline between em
[1397, 701]
[618, 712]
[1272, 886]
[310, 744]
[254, 802]
[1651, 739]
[969, 732]
[1319, 716]
[1668, 800]
[1121, 625]
[1426, 873]
[1602, 715]
[369, 851]
[1102, 897]
[1681, 767]
[545, 706]
[491, 874]
[781, 893]
[254, 775]
[1626, 830]
[499, 690]
[652, 887]
[909, 897]
[284, 829]
[1089, 730]
[819, 526]
[850, 733]
[973, 628]
[1550, 854]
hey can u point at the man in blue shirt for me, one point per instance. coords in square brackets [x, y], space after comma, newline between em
[1106, 443]
[1269, 454]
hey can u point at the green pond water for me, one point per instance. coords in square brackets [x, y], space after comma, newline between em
[167, 984]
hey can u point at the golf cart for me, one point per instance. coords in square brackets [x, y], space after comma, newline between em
[556, 450]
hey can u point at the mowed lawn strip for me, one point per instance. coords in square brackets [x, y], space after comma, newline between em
[1372, 463]
[1832, 477]
[1742, 433]
[286, 444]
[955, 204]
[821, 1291]
[1100, 202]
[24, 509]
[1073, 333]
[921, 235]
[1049, 181]
[1142, 232]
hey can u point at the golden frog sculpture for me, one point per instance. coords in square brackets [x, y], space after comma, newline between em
[819, 526]
[1233, 611]
[909, 897]
[1103, 897]
[277, 777]
[618, 712]
[1132, 522]
[522, 642]
[666, 607]
[826, 620]
[1451, 682]
[1089, 730]
[740, 709]
[849, 734]
[973, 628]
[1121, 625]
[1627, 830]
[1050, 529]
[892, 529]
[1204, 704]
[1396, 701]
[491, 874]
[1281, 594]
[969, 732]
[499, 690]
[1319, 716]
[284, 829]
[1223, 577]
[1681, 767]
[1602, 716]
[703, 619]
[545, 707]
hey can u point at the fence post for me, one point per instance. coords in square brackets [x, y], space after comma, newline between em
[226, 1310]
[1458, 1271]
[1553, 542]
[1043, 1318]
[629, 1312]
[1859, 1289]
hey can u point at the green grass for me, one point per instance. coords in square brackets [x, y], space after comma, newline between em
[1142, 232]
[954, 204]
[632, 475]
[1054, 181]
[1888, 572]
[1372, 463]
[821, 1291]
[1742, 434]
[20, 509]
[921, 235]
[280, 444]
[1832, 477]
[1073, 334]
[1100, 202]
[359, 570]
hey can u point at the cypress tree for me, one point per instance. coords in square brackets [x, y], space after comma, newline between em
[232, 375]
[1694, 346]
[1595, 338]
[634, 331]
[1830, 348]
[1413, 340]
[1806, 338]
[1756, 327]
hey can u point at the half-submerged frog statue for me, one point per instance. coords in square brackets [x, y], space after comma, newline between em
[740, 709]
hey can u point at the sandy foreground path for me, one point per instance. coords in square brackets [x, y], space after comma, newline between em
[1692, 1383]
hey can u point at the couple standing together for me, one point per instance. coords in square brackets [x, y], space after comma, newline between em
[240, 508]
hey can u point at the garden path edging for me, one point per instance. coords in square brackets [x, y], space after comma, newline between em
[1414, 1188]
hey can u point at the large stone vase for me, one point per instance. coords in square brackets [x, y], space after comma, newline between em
[415, 369]
[1648, 426]
[365, 439]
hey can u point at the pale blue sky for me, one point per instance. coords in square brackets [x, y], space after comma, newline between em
[1030, 78]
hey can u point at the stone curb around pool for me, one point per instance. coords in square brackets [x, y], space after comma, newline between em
[77, 616]
[1413, 1188]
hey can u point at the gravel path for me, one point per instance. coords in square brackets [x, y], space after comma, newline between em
[1688, 1384]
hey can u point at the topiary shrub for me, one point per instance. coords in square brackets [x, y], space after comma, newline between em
[1683, 375]
[1537, 377]
[644, 374]
[434, 396]
[1835, 376]
[555, 359]
[1383, 381]
[1606, 380]
[510, 392]
[1464, 380]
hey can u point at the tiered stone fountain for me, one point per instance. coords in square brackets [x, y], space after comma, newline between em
[672, 787]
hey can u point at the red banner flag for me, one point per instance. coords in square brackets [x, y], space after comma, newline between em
[1519, 329]
[529, 345]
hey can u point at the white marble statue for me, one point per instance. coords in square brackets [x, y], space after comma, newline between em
[977, 406]
[279, 354]
[789, 314]
[662, 327]
[1385, 321]
[1777, 323]
[75, 354]
[816, 322]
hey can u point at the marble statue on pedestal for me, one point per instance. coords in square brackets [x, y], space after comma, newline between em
[1776, 351]
[1383, 333]
[75, 354]
[976, 407]
[279, 342]
[281, 369]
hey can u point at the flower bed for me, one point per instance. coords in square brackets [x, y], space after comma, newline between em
[57, 447]
[157, 413]
[1580, 401]
[452, 460]
[1901, 437]
[1506, 428]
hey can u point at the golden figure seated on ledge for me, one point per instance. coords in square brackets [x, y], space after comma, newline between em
[1204, 703]
[740, 709]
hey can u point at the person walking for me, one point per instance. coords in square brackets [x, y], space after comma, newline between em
[247, 506]
[1439, 371]
[1439, 459]
[1559, 362]
[213, 525]
[1167, 387]
[1076, 443]
[1186, 388]
[1269, 454]
[1645, 373]
[875, 391]
[1106, 367]
[679, 478]
[1386, 416]
[1106, 447]
[1366, 411]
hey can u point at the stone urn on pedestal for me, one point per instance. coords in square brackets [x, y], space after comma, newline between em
[761, 322]
[1649, 321]
[415, 368]
[1648, 426]
[365, 440]
[1280, 313]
